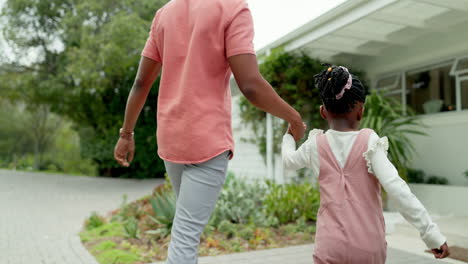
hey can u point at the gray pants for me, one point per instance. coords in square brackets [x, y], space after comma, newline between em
[197, 187]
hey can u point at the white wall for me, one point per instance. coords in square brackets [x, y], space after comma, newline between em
[440, 199]
[247, 161]
[444, 152]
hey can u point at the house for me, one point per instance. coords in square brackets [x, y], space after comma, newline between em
[417, 50]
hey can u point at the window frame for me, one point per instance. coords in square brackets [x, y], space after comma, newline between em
[460, 76]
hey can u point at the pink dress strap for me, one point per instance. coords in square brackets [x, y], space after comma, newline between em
[350, 225]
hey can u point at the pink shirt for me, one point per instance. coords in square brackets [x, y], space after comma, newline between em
[193, 39]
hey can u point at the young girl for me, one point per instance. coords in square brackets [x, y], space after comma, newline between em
[351, 166]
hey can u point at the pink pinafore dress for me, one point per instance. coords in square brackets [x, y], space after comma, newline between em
[350, 225]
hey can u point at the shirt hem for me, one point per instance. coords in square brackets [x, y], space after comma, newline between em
[199, 161]
[155, 58]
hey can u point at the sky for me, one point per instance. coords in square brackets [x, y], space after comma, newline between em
[276, 18]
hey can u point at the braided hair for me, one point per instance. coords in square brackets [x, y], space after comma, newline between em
[330, 83]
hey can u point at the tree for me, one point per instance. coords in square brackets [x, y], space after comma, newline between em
[87, 54]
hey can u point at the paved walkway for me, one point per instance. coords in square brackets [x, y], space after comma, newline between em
[41, 214]
[303, 255]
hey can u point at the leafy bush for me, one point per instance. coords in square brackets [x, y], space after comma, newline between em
[466, 174]
[94, 221]
[240, 202]
[290, 202]
[228, 228]
[437, 180]
[415, 176]
[131, 228]
[386, 117]
[127, 210]
[247, 232]
[164, 206]
[419, 176]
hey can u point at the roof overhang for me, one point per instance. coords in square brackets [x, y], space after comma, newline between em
[366, 28]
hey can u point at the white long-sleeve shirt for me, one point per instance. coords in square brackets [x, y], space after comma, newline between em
[378, 164]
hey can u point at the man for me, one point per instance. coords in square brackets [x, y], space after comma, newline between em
[197, 44]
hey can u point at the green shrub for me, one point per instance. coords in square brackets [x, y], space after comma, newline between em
[386, 117]
[112, 229]
[94, 221]
[227, 228]
[131, 228]
[127, 210]
[105, 245]
[116, 256]
[290, 202]
[240, 202]
[437, 180]
[466, 174]
[164, 206]
[416, 176]
[247, 232]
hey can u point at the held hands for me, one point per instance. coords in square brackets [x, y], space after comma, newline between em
[124, 151]
[297, 130]
[441, 252]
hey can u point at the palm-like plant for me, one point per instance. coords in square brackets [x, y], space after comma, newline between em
[385, 116]
[164, 206]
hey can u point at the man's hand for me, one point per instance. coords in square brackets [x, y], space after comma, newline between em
[124, 151]
[441, 252]
[297, 130]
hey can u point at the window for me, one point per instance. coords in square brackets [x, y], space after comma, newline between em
[431, 90]
[390, 86]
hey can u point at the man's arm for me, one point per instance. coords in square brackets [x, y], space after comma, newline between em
[148, 71]
[260, 93]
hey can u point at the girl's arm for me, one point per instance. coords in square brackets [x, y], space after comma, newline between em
[297, 159]
[408, 205]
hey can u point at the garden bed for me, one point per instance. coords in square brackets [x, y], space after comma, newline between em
[248, 217]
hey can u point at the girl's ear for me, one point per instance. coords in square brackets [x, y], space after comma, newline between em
[323, 112]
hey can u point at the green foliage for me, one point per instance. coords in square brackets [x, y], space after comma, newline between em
[164, 206]
[466, 174]
[240, 202]
[385, 116]
[87, 56]
[292, 77]
[419, 176]
[131, 228]
[127, 211]
[291, 202]
[117, 256]
[111, 229]
[437, 180]
[415, 176]
[105, 245]
[94, 221]
[247, 232]
[228, 228]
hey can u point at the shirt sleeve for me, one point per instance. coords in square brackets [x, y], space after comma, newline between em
[151, 49]
[239, 34]
[297, 159]
[407, 203]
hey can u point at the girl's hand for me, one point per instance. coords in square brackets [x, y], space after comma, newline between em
[441, 252]
[124, 151]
